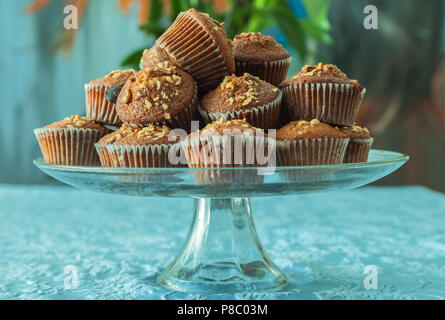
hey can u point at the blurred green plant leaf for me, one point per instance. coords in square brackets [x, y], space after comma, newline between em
[133, 59]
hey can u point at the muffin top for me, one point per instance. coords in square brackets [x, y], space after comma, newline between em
[77, 122]
[149, 58]
[255, 47]
[155, 94]
[239, 93]
[114, 78]
[302, 129]
[321, 73]
[356, 132]
[226, 127]
[127, 135]
[216, 31]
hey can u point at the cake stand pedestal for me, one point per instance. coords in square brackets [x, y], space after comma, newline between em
[222, 252]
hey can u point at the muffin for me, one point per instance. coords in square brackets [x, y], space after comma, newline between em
[359, 145]
[149, 58]
[260, 56]
[243, 97]
[132, 147]
[101, 95]
[322, 92]
[303, 143]
[197, 44]
[162, 94]
[228, 143]
[70, 141]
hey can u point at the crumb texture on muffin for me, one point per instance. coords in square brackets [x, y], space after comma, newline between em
[239, 93]
[321, 73]
[303, 129]
[77, 121]
[150, 135]
[356, 132]
[113, 78]
[155, 94]
[222, 126]
[253, 46]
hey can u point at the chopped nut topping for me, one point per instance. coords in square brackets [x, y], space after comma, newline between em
[314, 122]
[164, 106]
[148, 104]
[167, 116]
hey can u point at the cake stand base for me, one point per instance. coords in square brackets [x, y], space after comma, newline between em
[222, 252]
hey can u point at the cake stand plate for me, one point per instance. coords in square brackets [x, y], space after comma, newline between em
[222, 252]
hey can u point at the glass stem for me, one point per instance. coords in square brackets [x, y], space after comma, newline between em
[222, 252]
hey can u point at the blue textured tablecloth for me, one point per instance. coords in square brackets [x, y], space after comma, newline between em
[322, 242]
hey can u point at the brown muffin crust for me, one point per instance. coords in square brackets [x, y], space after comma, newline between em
[150, 58]
[321, 73]
[127, 135]
[114, 78]
[236, 127]
[356, 132]
[218, 35]
[254, 47]
[78, 122]
[303, 129]
[155, 94]
[239, 93]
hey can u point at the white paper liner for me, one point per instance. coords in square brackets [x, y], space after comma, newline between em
[229, 151]
[69, 146]
[306, 152]
[192, 48]
[182, 120]
[264, 117]
[358, 150]
[332, 103]
[98, 108]
[130, 156]
[274, 71]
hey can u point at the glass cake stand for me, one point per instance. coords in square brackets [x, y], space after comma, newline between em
[222, 252]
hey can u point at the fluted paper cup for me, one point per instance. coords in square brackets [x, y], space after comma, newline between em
[191, 47]
[69, 146]
[222, 151]
[274, 71]
[358, 150]
[307, 152]
[264, 117]
[332, 103]
[98, 108]
[129, 156]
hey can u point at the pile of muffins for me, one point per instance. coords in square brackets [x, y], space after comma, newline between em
[234, 90]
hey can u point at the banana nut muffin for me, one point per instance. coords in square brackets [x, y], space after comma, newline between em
[322, 91]
[360, 142]
[261, 56]
[162, 93]
[70, 141]
[136, 147]
[198, 44]
[241, 97]
[226, 143]
[149, 58]
[312, 142]
[101, 95]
